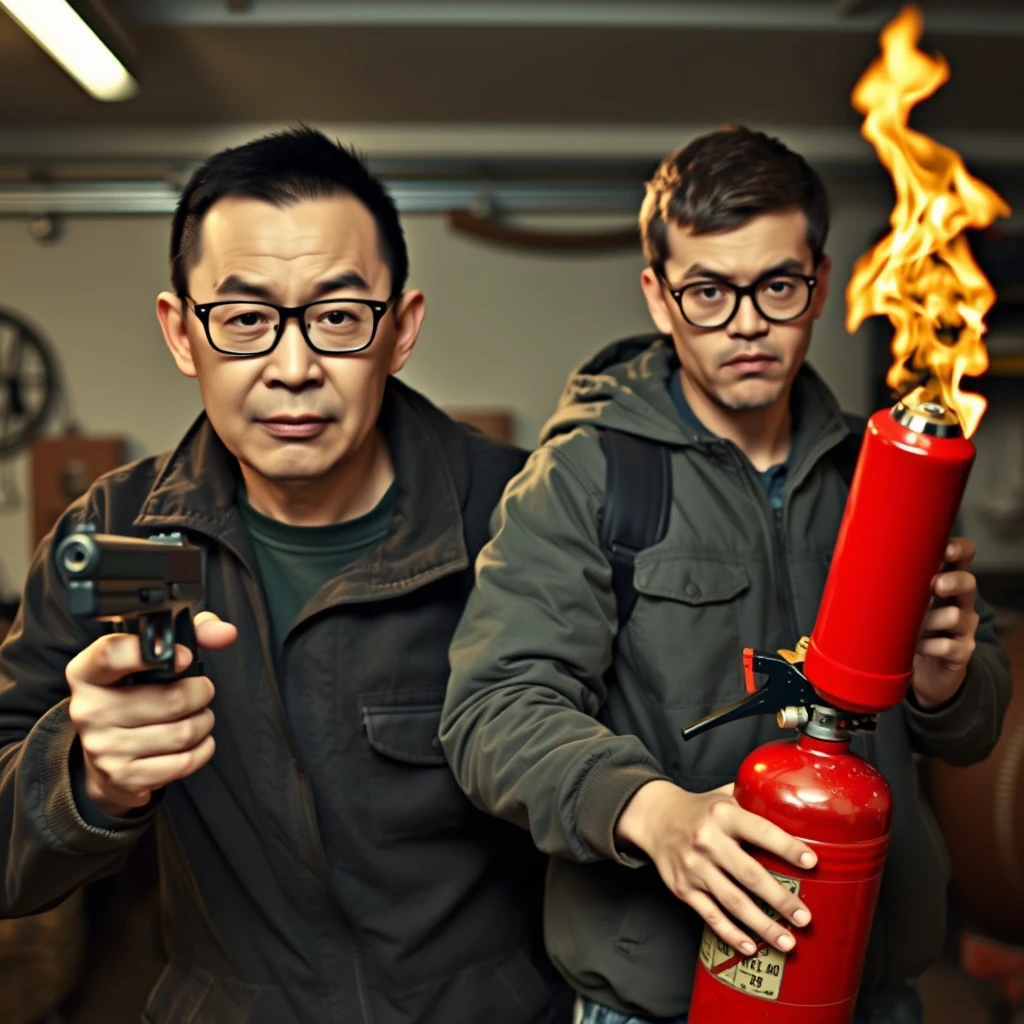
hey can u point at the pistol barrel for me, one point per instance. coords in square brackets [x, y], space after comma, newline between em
[85, 556]
[111, 576]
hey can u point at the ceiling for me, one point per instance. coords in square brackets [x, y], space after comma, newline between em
[517, 62]
[534, 104]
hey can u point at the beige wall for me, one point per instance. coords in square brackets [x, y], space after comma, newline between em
[502, 328]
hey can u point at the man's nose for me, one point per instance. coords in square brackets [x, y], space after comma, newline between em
[748, 321]
[293, 362]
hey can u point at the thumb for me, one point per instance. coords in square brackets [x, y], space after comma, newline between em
[726, 790]
[212, 633]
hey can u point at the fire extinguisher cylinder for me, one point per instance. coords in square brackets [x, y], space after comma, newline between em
[903, 502]
[839, 806]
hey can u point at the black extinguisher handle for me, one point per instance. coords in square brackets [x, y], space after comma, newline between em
[786, 687]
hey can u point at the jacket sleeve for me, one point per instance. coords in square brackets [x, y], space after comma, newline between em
[965, 730]
[528, 671]
[48, 849]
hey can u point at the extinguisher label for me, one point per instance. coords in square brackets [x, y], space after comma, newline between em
[760, 974]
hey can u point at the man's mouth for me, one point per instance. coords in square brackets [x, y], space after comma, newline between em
[295, 428]
[751, 362]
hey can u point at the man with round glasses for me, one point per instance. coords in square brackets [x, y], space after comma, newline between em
[318, 861]
[579, 660]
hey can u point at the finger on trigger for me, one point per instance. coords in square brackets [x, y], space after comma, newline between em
[106, 661]
[205, 616]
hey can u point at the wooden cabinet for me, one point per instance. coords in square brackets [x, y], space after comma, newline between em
[63, 468]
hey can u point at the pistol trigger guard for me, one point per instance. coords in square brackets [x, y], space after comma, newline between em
[156, 636]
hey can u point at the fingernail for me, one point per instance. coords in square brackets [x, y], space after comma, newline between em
[785, 943]
[749, 948]
[808, 860]
[801, 917]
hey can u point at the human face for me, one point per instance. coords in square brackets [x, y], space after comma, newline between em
[293, 415]
[750, 362]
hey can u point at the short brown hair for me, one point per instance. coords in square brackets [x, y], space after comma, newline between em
[722, 180]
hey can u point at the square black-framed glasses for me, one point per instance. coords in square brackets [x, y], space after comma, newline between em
[739, 292]
[286, 313]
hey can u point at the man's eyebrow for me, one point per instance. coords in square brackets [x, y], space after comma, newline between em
[350, 280]
[235, 285]
[786, 266]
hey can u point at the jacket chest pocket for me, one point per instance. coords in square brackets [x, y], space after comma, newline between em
[686, 631]
[410, 788]
[188, 995]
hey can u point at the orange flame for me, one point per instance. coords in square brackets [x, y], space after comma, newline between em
[922, 274]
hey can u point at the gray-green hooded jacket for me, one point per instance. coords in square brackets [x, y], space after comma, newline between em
[553, 721]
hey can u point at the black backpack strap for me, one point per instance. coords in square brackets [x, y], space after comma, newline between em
[492, 466]
[637, 502]
[846, 453]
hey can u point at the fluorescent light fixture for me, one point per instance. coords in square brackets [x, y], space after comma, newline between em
[58, 28]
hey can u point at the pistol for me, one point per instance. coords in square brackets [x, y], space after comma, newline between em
[147, 587]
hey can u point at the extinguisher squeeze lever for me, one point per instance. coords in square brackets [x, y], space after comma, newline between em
[785, 687]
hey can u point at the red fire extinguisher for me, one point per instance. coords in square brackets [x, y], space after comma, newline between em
[903, 500]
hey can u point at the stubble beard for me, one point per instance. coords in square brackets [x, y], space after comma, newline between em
[751, 404]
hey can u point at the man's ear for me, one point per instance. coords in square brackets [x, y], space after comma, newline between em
[170, 311]
[654, 293]
[823, 274]
[409, 311]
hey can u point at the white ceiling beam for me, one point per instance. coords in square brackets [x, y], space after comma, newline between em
[410, 195]
[969, 19]
[468, 142]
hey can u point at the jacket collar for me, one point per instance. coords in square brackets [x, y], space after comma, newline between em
[197, 488]
[821, 421]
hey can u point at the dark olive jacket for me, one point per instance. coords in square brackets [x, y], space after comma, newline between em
[554, 717]
[324, 866]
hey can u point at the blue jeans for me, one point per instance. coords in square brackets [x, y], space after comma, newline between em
[902, 1008]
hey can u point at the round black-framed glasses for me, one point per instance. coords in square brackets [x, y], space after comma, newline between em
[249, 327]
[711, 304]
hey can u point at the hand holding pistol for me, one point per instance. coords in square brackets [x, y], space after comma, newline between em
[151, 587]
[137, 739]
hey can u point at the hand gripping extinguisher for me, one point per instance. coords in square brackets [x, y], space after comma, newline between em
[903, 501]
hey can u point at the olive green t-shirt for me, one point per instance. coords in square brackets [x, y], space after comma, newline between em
[296, 561]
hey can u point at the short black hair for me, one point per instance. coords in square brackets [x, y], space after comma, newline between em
[284, 168]
[724, 179]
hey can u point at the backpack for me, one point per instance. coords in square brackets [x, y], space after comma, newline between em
[638, 499]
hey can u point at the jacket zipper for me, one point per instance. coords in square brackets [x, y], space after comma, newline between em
[309, 815]
[305, 790]
[783, 583]
[775, 519]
